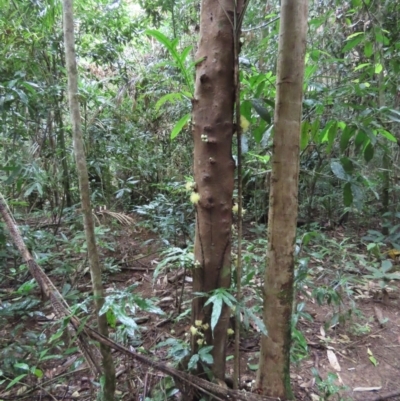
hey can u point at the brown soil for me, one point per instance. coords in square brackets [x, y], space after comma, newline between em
[362, 349]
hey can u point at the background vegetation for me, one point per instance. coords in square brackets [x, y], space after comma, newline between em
[136, 66]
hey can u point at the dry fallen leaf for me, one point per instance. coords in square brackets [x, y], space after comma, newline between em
[333, 360]
[322, 331]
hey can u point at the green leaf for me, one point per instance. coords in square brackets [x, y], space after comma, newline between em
[386, 265]
[193, 362]
[347, 195]
[170, 45]
[262, 111]
[38, 373]
[393, 115]
[22, 366]
[360, 140]
[347, 165]
[368, 49]
[339, 172]
[387, 135]
[373, 360]
[257, 321]
[331, 136]
[262, 131]
[170, 97]
[315, 129]
[369, 152]
[361, 66]
[185, 53]
[253, 367]
[378, 68]
[353, 41]
[216, 312]
[346, 136]
[179, 125]
[354, 35]
[111, 319]
[245, 109]
[16, 380]
[304, 134]
[205, 354]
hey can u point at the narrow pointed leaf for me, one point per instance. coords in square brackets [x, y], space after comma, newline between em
[179, 125]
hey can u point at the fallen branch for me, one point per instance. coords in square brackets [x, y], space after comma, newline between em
[384, 396]
[187, 383]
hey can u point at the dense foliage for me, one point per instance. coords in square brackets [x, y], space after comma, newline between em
[136, 66]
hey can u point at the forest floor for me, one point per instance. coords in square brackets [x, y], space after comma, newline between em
[353, 346]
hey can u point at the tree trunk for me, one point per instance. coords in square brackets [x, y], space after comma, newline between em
[214, 166]
[80, 158]
[273, 374]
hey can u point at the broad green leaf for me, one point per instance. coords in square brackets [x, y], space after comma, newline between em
[331, 136]
[387, 135]
[314, 54]
[216, 312]
[369, 152]
[262, 111]
[393, 115]
[205, 354]
[339, 172]
[380, 37]
[358, 195]
[309, 71]
[22, 96]
[260, 89]
[371, 134]
[38, 373]
[193, 362]
[347, 194]
[378, 68]
[111, 319]
[386, 265]
[360, 140]
[22, 366]
[347, 165]
[257, 321]
[368, 49]
[245, 109]
[260, 131]
[323, 137]
[315, 129]
[317, 22]
[304, 134]
[179, 125]
[346, 136]
[354, 41]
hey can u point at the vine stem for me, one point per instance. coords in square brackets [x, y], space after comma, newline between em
[237, 24]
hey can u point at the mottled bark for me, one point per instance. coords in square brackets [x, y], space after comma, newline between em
[273, 374]
[214, 166]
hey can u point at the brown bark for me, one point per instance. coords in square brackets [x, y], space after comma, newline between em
[80, 158]
[214, 166]
[273, 374]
